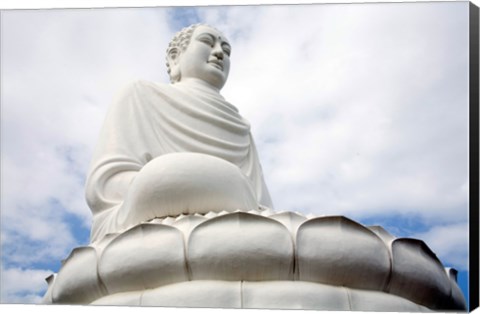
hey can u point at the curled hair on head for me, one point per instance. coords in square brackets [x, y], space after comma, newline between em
[178, 44]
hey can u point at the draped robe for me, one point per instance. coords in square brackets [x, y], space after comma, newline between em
[148, 120]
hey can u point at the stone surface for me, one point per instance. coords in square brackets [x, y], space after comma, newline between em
[264, 295]
[241, 246]
[290, 220]
[365, 300]
[255, 247]
[338, 251]
[196, 294]
[294, 295]
[144, 257]
[77, 281]
[415, 265]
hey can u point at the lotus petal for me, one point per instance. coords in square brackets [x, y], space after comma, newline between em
[240, 246]
[103, 242]
[168, 220]
[77, 281]
[210, 215]
[156, 221]
[267, 212]
[339, 251]
[415, 265]
[290, 220]
[144, 257]
[47, 298]
[457, 300]
[187, 223]
[223, 212]
[254, 212]
[383, 234]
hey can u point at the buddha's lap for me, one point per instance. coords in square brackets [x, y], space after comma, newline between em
[187, 183]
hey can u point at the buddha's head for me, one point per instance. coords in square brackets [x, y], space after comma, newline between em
[201, 52]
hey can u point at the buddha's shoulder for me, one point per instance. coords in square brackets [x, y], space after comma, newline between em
[140, 94]
[144, 86]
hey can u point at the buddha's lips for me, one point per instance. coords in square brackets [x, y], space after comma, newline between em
[217, 63]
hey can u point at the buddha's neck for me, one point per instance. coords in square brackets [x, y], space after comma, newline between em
[198, 83]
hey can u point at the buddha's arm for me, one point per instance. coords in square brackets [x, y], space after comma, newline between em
[117, 185]
[109, 190]
[105, 197]
[119, 155]
[106, 189]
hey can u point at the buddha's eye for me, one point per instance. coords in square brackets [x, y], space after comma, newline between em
[226, 49]
[206, 40]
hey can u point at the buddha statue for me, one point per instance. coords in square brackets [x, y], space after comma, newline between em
[180, 148]
[182, 215]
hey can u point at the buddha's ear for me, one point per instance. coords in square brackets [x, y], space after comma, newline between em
[173, 56]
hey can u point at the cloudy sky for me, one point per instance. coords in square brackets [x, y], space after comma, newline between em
[358, 110]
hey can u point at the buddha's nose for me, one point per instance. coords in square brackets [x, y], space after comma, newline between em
[218, 52]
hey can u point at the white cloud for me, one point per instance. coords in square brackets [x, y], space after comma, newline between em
[23, 285]
[60, 70]
[450, 243]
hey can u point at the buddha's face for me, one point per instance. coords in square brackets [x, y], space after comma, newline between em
[207, 57]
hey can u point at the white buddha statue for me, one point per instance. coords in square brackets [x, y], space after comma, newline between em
[180, 148]
[182, 216]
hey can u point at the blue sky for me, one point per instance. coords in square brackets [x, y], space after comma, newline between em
[357, 110]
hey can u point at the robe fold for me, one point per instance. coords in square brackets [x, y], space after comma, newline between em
[148, 120]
